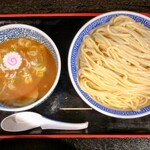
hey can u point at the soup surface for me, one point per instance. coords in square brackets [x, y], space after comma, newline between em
[27, 71]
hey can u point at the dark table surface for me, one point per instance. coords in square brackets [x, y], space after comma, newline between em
[61, 6]
[73, 6]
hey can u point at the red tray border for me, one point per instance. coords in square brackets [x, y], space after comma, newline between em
[57, 15]
[69, 135]
[51, 15]
[60, 136]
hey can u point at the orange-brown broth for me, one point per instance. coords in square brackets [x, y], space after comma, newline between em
[20, 90]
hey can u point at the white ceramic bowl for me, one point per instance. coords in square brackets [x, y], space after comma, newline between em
[27, 31]
[73, 56]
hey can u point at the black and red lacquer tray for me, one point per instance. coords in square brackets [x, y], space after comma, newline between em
[62, 28]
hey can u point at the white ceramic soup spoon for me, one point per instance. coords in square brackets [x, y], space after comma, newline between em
[23, 121]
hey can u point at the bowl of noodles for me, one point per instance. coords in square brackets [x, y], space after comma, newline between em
[109, 64]
[30, 67]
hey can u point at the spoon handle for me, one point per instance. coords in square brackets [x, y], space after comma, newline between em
[52, 124]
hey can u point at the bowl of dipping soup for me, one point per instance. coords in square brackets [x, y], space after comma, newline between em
[30, 67]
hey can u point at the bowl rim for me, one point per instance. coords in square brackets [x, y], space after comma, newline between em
[50, 91]
[77, 87]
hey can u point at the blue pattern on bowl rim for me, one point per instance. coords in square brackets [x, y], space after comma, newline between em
[73, 59]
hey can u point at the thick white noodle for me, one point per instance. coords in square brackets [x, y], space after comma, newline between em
[114, 64]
